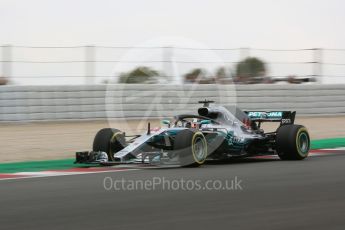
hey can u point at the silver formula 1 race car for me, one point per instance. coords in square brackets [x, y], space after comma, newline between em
[215, 132]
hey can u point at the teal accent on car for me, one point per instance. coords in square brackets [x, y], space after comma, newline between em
[166, 122]
[205, 122]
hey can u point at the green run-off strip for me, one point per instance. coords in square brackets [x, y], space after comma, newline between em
[328, 143]
[36, 166]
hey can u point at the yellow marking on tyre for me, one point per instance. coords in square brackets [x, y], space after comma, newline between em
[111, 141]
[297, 140]
[205, 144]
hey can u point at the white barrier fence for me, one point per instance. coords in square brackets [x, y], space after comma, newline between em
[32, 103]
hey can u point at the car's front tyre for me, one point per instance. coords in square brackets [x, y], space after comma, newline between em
[191, 147]
[110, 141]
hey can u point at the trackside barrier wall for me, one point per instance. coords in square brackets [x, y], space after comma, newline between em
[74, 102]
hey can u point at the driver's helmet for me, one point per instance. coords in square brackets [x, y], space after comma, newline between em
[194, 123]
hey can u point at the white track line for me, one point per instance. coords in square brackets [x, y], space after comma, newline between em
[29, 175]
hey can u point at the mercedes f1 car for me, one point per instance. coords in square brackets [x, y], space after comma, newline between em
[215, 132]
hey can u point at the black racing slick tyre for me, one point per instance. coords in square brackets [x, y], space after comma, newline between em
[110, 141]
[293, 142]
[191, 147]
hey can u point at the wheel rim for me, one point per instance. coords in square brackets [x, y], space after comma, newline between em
[199, 149]
[114, 138]
[303, 143]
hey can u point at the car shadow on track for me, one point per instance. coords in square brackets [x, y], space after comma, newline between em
[219, 162]
[239, 161]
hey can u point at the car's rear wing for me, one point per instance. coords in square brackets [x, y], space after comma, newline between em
[284, 117]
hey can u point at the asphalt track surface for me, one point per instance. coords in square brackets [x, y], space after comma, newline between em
[275, 194]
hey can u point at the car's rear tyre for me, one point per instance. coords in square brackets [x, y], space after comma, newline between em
[191, 147]
[110, 141]
[292, 142]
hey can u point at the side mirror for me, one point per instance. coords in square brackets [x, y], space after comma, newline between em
[205, 122]
[166, 122]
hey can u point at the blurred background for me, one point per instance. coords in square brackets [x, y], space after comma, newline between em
[41, 65]
[69, 68]
[87, 42]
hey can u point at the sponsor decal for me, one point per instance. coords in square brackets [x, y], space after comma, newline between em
[265, 115]
[286, 121]
[234, 140]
